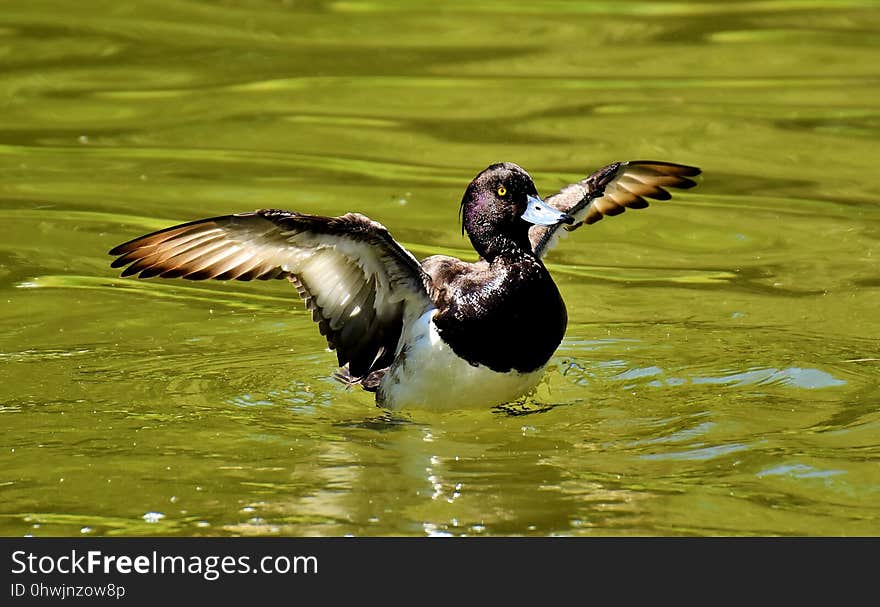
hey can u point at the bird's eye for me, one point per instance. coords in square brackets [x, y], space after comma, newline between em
[502, 190]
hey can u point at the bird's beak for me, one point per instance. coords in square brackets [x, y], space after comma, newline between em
[542, 214]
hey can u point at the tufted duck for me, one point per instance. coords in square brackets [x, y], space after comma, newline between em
[442, 333]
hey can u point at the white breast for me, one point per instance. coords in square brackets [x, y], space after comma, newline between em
[430, 375]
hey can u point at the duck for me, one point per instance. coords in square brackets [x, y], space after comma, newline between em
[440, 333]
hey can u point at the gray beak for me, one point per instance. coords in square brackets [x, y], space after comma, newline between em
[541, 214]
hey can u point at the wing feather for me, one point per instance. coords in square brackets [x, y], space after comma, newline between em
[355, 279]
[610, 191]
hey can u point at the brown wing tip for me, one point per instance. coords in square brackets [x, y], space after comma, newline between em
[667, 168]
[154, 238]
[122, 249]
[133, 252]
[119, 261]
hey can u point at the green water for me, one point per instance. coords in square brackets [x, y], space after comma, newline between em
[721, 367]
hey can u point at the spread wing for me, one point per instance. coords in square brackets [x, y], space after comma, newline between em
[610, 191]
[353, 276]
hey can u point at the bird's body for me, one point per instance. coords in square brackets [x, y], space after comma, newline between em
[430, 374]
[442, 333]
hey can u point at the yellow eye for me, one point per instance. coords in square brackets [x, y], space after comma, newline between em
[502, 190]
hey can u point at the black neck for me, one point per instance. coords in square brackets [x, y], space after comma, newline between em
[510, 246]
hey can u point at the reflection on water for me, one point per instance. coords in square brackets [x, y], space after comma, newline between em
[720, 370]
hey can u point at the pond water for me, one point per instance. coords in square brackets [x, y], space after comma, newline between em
[721, 369]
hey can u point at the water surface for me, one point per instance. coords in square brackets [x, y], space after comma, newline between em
[721, 367]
